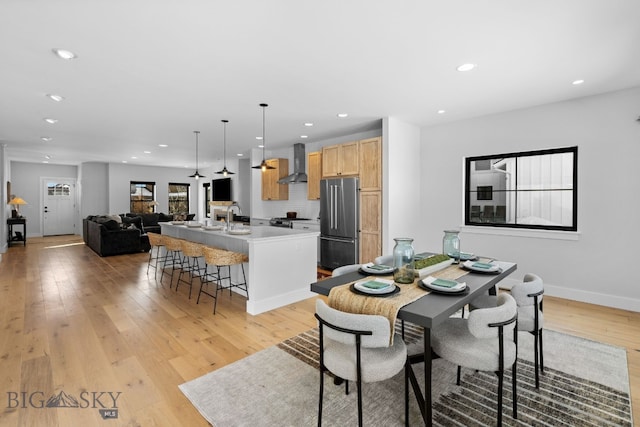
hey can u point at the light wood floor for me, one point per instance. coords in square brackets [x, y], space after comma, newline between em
[78, 323]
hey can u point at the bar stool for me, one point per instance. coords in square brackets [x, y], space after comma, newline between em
[219, 259]
[155, 240]
[191, 254]
[174, 249]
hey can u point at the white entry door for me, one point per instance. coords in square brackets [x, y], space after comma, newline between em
[59, 204]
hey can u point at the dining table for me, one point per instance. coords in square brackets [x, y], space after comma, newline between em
[429, 311]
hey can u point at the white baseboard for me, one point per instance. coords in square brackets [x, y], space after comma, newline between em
[607, 300]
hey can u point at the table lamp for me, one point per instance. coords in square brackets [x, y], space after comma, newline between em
[16, 202]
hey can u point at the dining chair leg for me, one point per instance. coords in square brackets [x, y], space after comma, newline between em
[500, 384]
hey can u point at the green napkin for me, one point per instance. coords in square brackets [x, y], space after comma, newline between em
[372, 284]
[379, 267]
[482, 265]
[444, 283]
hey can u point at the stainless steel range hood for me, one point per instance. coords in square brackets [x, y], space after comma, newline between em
[299, 162]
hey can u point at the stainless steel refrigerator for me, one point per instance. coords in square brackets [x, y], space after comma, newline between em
[339, 222]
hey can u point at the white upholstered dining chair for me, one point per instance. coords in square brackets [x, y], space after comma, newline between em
[339, 271]
[355, 347]
[528, 295]
[486, 341]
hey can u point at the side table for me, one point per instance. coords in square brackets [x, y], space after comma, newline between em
[19, 237]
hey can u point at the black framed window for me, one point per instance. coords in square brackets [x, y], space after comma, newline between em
[533, 189]
[141, 194]
[178, 198]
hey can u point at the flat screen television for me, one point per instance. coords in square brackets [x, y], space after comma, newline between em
[221, 190]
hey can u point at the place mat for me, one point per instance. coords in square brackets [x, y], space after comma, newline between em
[343, 299]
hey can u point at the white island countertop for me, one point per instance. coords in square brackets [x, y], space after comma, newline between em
[282, 261]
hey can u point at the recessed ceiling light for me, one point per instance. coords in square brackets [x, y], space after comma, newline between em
[56, 98]
[147, 152]
[124, 161]
[46, 138]
[163, 145]
[47, 157]
[240, 154]
[64, 54]
[259, 138]
[45, 161]
[441, 111]
[577, 82]
[308, 124]
[50, 121]
[260, 146]
[342, 115]
[133, 157]
[466, 67]
[304, 136]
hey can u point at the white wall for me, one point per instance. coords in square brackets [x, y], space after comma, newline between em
[401, 210]
[121, 175]
[596, 265]
[26, 183]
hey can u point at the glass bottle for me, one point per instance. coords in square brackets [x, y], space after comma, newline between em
[403, 262]
[451, 245]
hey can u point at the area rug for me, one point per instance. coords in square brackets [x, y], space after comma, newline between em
[585, 383]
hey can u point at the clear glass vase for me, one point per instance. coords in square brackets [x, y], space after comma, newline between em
[403, 263]
[451, 245]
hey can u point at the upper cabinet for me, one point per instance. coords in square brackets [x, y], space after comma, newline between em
[314, 173]
[340, 160]
[271, 190]
[371, 164]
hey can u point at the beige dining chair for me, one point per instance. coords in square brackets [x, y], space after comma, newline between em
[355, 347]
[483, 342]
[528, 295]
[384, 260]
[345, 269]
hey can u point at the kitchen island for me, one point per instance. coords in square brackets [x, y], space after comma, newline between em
[282, 261]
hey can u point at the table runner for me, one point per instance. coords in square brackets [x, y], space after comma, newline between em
[343, 299]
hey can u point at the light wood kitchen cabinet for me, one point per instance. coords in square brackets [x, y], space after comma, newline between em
[314, 173]
[340, 160]
[271, 190]
[370, 152]
[370, 225]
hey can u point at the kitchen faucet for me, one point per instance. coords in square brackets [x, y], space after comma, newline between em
[230, 213]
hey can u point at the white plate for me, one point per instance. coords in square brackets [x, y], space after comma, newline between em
[465, 256]
[212, 227]
[388, 289]
[372, 269]
[481, 267]
[194, 225]
[432, 283]
[176, 222]
[240, 231]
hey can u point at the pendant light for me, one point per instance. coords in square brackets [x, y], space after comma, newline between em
[196, 175]
[263, 166]
[224, 170]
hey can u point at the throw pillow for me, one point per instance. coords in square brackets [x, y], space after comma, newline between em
[116, 218]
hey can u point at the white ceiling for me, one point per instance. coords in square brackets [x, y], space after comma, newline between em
[152, 71]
